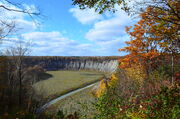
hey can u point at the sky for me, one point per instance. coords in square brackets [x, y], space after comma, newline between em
[65, 30]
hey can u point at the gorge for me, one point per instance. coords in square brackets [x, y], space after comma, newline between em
[52, 63]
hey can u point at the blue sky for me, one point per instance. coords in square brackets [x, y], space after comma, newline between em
[68, 31]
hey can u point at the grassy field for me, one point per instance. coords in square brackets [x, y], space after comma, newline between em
[80, 102]
[65, 81]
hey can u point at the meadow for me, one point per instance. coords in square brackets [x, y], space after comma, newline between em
[62, 82]
[80, 102]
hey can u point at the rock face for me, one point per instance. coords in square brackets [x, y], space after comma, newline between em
[104, 64]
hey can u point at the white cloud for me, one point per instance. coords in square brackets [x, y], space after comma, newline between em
[84, 46]
[109, 29]
[48, 39]
[109, 34]
[23, 26]
[111, 47]
[42, 35]
[54, 43]
[87, 16]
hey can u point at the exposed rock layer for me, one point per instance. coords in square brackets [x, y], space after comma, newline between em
[105, 64]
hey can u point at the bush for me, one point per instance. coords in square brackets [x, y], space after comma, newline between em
[156, 98]
[107, 105]
[116, 96]
[136, 73]
[167, 104]
[60, 114]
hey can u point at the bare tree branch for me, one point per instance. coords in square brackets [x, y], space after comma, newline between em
[8, 26]
[21, 9]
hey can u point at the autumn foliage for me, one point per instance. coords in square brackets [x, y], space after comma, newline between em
[148, 76]
[142, 48]
[156, 34]
[104, 84]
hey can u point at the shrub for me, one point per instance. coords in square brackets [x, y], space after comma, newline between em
[115, 98]
[104, 83]
[136, 73]
[107, 105]
[156, 98]
[60, 114]
[158, 76]
[167, 104]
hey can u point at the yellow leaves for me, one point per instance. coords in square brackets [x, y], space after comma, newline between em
[136, 73]
[163, 44]
[101, 90]
[137, 115]
[103, 85]
[113, 80]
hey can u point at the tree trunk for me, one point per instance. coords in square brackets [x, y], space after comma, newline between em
[172, 68]
[20, 87]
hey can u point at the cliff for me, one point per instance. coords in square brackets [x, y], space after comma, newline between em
[104, 64]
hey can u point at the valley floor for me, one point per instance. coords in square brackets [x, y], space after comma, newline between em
[62, 82]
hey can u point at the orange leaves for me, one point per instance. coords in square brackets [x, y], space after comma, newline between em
[156, 32]
[128, 28]
[151, 54]
[143, 45]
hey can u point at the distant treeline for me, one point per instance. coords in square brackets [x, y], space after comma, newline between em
[74, 57]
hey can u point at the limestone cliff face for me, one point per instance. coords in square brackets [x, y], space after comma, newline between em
[104, 64]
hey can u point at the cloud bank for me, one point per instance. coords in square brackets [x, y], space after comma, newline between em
[105, 36]
[108, 33]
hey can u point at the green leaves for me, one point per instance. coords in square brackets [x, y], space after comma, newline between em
[167, 105]
[101, 5]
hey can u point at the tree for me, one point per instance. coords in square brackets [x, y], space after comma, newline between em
[12, 68]
[101, 5]
[165, 13]
[156, 33]
[5, 29]
[162, 10]
[143, 46]
[3, 77]
[16, 61]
